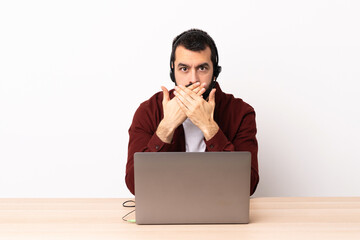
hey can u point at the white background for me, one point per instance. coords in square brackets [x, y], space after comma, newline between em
[72, 74]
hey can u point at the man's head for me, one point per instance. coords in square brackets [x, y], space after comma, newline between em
[194, 58]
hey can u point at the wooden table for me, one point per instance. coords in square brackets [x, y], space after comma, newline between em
[271, 218]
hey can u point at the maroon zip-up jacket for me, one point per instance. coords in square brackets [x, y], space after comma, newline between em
[237, 130]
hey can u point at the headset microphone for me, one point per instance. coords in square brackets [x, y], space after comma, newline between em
[212, 84]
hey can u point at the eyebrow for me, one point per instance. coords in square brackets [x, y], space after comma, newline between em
[200, 65]
[182, 65]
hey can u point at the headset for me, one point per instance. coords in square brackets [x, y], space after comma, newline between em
[217, 68]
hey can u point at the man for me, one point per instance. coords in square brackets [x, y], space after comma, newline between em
[197, 115]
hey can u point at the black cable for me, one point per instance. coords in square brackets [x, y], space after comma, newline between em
[129, 201]
[131, 220]
[125, 204]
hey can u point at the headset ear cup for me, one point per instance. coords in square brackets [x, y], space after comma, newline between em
[172, 76]
[217, 71]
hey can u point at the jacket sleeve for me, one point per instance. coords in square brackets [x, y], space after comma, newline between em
[142, 138]
[244, 140]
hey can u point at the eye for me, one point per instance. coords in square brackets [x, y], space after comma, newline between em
[183, 69]
[202, 68]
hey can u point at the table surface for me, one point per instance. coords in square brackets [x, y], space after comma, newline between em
[270, 218]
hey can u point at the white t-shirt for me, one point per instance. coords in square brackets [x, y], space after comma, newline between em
[194, 137]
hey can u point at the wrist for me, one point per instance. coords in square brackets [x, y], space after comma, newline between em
[210, 130]
[165, 132]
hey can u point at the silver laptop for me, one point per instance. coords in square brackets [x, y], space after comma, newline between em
[192, 187]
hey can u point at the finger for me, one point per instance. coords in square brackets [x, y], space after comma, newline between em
[201, 92]
[187, 99]
[196, 90]
[193, 86]
[185, 92]
[166, 96]
[212, 96]
[182, 105]
[182, 98]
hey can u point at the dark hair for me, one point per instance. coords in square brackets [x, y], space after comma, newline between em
[195, 40]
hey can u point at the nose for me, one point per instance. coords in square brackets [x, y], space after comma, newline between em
[194, 76]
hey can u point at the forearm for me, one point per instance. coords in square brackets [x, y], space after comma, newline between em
[209, 130]
[165, 132]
